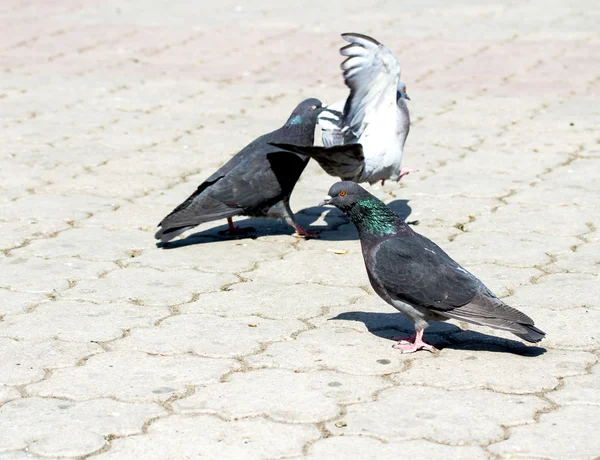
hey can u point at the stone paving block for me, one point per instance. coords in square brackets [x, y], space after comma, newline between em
[555, 220]
[80, 321]
[48, 276]
[149, 286]
[572, 329]
[88, 243]
[585, 259]
[313, 266]
[439, 415]
[503, 280]
[24, 362]
[559, 291]
[148, 378]
[271, 300]
[60, 207]
[12, 302]
[203, 335]
[8, 394]
[206, 436]
[19, 231]
[48, 427]
[516, 250]
[580, 389]
[372, 449]
[541, 439]
[478, 369]
[316, 397]
[340, 349]
[230, 256]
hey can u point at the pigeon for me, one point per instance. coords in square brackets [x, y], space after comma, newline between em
[364, 135]
[257, 181]
[415, 276]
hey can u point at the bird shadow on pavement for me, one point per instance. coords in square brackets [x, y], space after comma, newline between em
[338, 227]
[439, 334]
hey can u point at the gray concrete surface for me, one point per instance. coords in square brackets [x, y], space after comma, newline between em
[112, 112]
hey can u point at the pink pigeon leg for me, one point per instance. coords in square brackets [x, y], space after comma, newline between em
[401, 339]
[406, 170]
[233, 230]
[418, 344]
[303, 233]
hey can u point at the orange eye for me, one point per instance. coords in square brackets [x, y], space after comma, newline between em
[342, 193]
[404, 89]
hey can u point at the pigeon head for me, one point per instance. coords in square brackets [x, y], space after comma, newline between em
[345, 195]
[370, 215]
[401, 91]
[306, 112]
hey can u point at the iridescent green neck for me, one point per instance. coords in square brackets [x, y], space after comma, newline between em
[373, 217]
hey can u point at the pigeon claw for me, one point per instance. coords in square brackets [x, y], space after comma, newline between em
[412, 344]
[405, 171]
[303, 233]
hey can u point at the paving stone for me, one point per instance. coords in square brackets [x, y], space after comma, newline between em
[372, 449]
[341, 349]
[12, 302]
[149, 286]
[207, 436]
[521, 250]
[580, 389]
[270, 300]
[478, 369]
[8, 393]
[231, 256]
[442, 418]
[61, 207]
[203, 335]
[572, 329]
[80, 321]
[47, 276]
[503, 280]
[132, 376]
[22, 362]
[88, 243]
[541, 440]
[559, 291]
[566, 220]
[57, 427]
[17, 232]
[316, 397]
[585, 259]
[331, 269]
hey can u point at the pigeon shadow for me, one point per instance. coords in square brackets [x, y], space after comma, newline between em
[337, 226]
[439, 334]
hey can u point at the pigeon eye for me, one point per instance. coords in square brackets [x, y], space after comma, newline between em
[342, 193]
[404, 89]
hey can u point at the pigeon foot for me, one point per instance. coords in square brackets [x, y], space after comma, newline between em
[418, 344]
[303, 233]
[402, 340]
[232, 230]
[405, 171]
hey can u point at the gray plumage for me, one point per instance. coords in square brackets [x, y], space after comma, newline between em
[414, 275]
[373, 122]
[257, 182]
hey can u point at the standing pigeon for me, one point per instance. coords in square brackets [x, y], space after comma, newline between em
[414, 275]
[257, 182]
[364, 136]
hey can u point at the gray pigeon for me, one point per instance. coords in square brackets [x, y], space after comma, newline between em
[414, 275]
[364, 135]
[257, 182]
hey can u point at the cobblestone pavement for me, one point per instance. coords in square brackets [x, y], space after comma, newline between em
[112, 112]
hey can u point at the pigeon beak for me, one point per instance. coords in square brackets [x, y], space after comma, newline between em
[326, 201]
[406, 97]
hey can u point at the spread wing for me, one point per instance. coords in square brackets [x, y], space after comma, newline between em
[372, 73]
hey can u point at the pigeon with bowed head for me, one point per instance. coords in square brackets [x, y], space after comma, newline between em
[415, 276]
[256, 182]
[364, 135]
